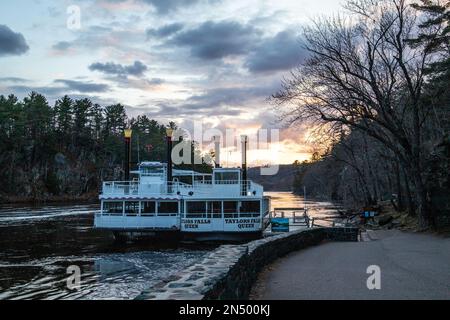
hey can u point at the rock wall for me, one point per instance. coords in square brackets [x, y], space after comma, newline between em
[229, 272]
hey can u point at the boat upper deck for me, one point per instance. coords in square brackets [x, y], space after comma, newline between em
[175, 190]
[152, 183]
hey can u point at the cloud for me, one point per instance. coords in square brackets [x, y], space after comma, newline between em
[216, 40]
[13, 79]
[214, 102]
[167, 6]
[12, 43]
[96, 37]
[111, 68]
[230, 96]
[119, 74]
[164, 7]
[61, 87]
[165, 31]
[83, 87]
[62, 45]
[138, 83]
[21, 90]
[155, 81]
[281, 52]
[177, 109]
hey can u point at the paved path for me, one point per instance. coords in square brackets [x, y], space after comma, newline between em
[413, 266]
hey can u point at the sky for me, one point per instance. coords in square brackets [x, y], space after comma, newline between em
[215, 61]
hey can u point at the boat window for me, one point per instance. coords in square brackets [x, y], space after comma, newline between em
[230, 209]
[206, 179]
[196, 209]
[185, 179]
[226, 177]
[152, 171]
[148, 208]
[167, 208]
[215, 209]
[250, 209]
[266, 206]
[131, 208]
[113, 208]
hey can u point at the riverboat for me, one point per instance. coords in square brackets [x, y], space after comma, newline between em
[164, 202]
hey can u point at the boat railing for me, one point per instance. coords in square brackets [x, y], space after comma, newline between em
[219, 182]
[121, 187]
[244, 186]
[249, 183]
[177, 188]
[296, 216]
[136, 188]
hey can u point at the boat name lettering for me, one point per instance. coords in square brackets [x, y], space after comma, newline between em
[242, 221]
[191, 221]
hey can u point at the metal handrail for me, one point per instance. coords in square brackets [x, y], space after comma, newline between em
[135, 187]
[222, 182]
[137, 183]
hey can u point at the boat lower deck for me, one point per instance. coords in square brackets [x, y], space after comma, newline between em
[220, 219]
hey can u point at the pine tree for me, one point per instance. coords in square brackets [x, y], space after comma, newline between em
[434, 34]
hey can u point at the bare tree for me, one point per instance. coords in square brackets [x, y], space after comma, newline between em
[362, 74]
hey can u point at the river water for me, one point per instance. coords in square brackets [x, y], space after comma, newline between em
[322, 211]
[37, 245]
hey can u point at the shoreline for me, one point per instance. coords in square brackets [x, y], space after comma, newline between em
[56, 200]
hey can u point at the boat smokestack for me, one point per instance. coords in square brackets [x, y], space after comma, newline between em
[244, 140]
[127, 166]
[169, 133]
[217, 151]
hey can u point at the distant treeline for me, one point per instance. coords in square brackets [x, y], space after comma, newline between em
[282, 181]
[67, 150]
[377, 87]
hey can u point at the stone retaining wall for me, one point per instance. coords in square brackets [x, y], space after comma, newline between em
[229, 272]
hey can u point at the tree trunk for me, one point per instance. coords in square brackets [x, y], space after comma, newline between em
[422, 204]
[400, 201]
[421, 197]
[411, 206]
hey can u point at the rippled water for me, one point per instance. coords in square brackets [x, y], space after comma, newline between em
[38, 244]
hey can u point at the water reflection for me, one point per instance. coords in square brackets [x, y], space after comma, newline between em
[316, 209]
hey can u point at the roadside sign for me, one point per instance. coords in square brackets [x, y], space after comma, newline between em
[280, 224]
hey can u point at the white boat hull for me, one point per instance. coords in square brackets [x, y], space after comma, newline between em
[178, 236]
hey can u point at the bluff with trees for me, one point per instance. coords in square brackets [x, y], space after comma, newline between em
[66, 151]
[377, 86]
